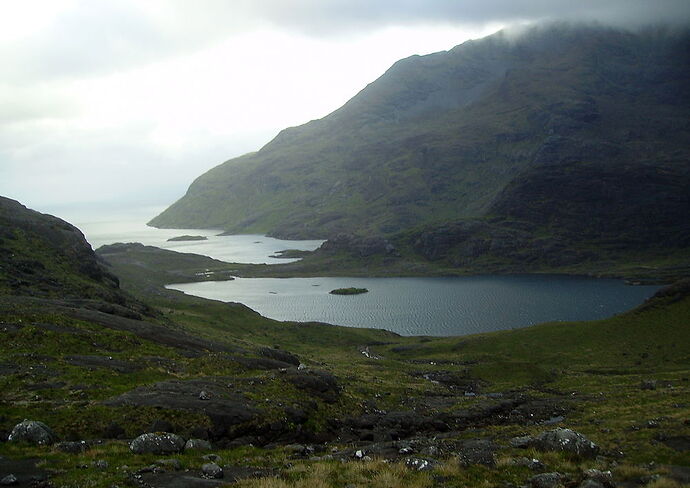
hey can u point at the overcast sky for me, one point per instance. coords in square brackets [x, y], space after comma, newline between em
[127, 101]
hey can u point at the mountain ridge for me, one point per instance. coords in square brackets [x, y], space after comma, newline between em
[438, 138]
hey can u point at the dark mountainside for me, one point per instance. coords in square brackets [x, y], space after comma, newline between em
[140, 386]
[43, 255]
[566, 138]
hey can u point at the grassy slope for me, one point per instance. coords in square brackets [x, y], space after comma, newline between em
[594, 368]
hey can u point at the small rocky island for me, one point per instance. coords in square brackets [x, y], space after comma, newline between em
[188, 238]
[349, 291]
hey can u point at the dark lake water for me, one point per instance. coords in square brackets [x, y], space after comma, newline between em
[408, 306]
[430, 306]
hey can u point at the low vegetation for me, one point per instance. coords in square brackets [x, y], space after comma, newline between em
[306, 404]
[349, 291]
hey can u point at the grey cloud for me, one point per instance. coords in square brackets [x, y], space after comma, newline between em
[325, 18]
[96, 36]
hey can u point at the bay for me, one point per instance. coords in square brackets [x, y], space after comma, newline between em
[101, 230]
[430, 306]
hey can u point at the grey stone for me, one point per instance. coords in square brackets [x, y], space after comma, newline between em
[521, 442]
[533, 464]
[546, 480]
[279, 355]
[603, 478]
[590, 484]
[204, 395]
[212, 470]
[565, 440]
[198, 445]
[477, 451]
[100, 464]
[34, 432]
[72, 447]
[9, 480]
[157, 443]
[420, 464]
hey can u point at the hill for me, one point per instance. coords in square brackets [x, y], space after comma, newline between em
[566, 138]
[309, 404]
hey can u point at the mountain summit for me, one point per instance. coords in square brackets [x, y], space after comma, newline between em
[582, 128]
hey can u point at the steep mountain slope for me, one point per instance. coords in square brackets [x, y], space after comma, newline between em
[462, 135]
[42, 255]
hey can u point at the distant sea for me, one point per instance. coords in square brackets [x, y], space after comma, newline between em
[108, 228]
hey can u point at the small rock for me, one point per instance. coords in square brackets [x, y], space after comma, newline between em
[533, 464]
[9, 480]
[420, 464]
[546, 480]
[604, 478]
[212, 470]
[204, 395]
[300, 449]
[477, 451]
[359, 454]
[100, 464]
[405, 450]
[521, 442]
[34, 432]
[72, 447]
[157, 443]
[198, 445]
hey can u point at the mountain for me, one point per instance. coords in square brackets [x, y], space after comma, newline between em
[44, 256]
[566, 135]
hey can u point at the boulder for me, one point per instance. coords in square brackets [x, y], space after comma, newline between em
[477, 451]
[212, 470]
[279, 355]
[546, 480]
[565, 440]
[34, 432]
[157, 443]
[197, 445]
[318, 383]
[594, 478]
[9, 480]
[76, 447]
